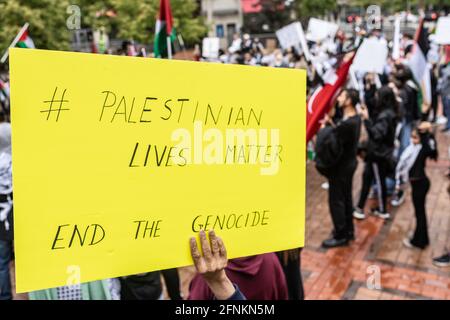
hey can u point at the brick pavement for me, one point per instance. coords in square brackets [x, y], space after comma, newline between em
[342, 273]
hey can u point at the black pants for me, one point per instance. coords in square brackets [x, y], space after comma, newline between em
[172, 280]
[419, 192]
[341, 203]
[374, 171]
[292, 272]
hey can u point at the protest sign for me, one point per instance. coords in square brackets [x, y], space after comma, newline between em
[319, 30]
[292, 35]
[117, 161]
[442, 35]
[210, 48]
[396, 40]
[371, 56]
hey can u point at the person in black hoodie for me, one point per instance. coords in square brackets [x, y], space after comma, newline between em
[420, 183]
[380, 149]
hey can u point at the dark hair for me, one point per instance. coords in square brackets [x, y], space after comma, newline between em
[353, 95]
[386, 100]
[420, 134]
[403, 73]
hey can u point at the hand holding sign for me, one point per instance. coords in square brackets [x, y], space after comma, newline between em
[211, 265]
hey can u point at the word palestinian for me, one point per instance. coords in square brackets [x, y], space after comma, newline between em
[120, 108]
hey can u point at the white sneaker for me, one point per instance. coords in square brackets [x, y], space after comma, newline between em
[359, 214]
[382, 215]
[407, 243]
[325, 186]
[398, 199]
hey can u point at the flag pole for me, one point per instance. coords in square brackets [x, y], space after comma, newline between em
[181, 41]
[169, 48]
[13, 44]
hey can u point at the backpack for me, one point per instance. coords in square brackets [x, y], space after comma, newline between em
[328, 151]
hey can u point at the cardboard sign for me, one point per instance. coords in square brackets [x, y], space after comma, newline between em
[320, 30]
[371, 56]
[117, 161]
[292, 35]
[210, 47]
[442, 35]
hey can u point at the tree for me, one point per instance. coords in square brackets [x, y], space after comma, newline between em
[307, 8]
[136, 19]
[131, 19]
[391, 6]
[47, 19]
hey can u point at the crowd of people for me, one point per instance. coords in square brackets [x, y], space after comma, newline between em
[382, 121]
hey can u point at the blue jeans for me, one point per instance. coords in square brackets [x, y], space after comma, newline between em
[446, 105]
[6, 249]
[405, 136]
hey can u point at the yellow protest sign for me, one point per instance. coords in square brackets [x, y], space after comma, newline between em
[117, 161]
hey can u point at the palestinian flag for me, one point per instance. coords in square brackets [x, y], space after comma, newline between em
[25, 41]
[164, 29]
[323, 98]
[419, 64]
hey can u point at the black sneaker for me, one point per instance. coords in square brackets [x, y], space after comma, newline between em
[333, 243]
[442, 261]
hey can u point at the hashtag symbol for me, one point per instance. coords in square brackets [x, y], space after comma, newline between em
[55, 109]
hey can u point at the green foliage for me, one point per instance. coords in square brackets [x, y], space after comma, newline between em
[392, 6]
[134, 19]
[47, 19]
[307, 8]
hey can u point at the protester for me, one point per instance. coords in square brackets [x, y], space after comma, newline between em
[290, 261]
[340, 176]
[216, 277]
[6, 209]
[380, 150]
[213, 281]
[444, 260]
[420, 183]
[108, 289]
[444, 91]
[409, 108]
[144, 286]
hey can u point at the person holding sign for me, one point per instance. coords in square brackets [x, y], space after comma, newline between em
[211, 266]
[223, 280]
[6, 209]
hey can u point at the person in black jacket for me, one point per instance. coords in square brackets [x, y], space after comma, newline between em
[380, 149]
[340, 179]
[420, 183]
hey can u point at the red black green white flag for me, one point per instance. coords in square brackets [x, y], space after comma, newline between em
[164, 30]
[25, 41]
[418, 61]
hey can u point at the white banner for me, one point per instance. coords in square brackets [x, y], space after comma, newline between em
[210, 48]
[371, 56]
[442, 35]
[293, 35]
[319, 30]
